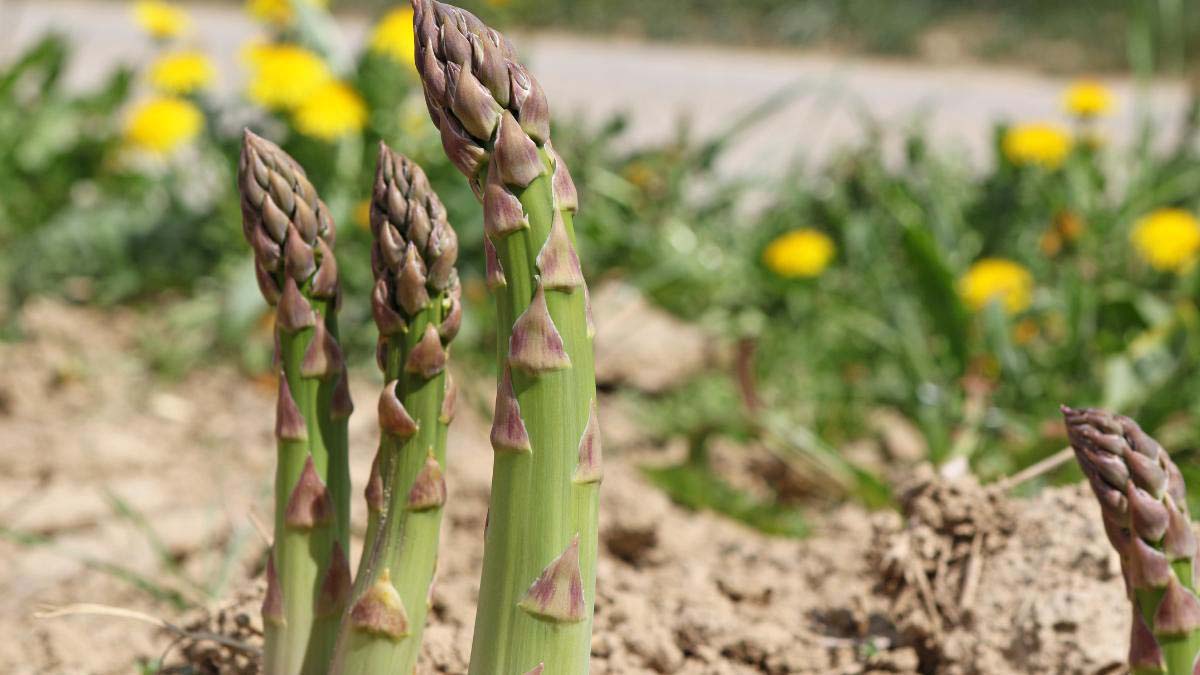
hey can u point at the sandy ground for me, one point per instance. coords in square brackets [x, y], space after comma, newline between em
[109, 477]
[661, 84]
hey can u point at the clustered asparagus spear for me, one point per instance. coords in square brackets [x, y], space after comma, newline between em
[537, 589]
[417, 307]
[308, 577]
[1144, 504]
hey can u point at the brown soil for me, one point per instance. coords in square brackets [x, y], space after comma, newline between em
[964, 582]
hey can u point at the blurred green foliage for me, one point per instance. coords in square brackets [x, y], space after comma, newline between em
[883, 327]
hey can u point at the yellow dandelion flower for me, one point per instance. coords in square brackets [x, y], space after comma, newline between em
[393, 36]
[278, 12]
[1087, 99]
[996, 279]
[182, 72]
[799, 253]
[160, 19]
[1044, 145]
[1168, 239]
[163, 124]
[282, 76]
[332, 111]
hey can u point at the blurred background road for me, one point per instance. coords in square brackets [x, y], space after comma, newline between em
[660, 84]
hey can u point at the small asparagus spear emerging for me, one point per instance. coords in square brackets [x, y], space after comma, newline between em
[308, 577]
[418, 309]
[1144, 503]
[537, 590]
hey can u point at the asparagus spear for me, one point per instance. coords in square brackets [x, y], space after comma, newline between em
[418, 309]
[537, 589]
[308, 577]
[1144, 504]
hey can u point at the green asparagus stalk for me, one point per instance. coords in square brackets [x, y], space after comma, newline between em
[1144, 504]
[418, 309]
[538, 584]
[308, 576]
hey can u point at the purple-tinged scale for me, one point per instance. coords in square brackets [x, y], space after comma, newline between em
[381, 610]
[289, 423]
[557, 594]
[325, 282]
[503, 213]
[335, 587]
[590, 468]
[323, 357]
[493, 270]
[449, 400]
[393, 418]
[305, 221]
[309, 505]
[293, 313]
[267, 284]
[1144, 652]
[1179, 540]
[518, 162]
[535, 345]
[272, 606]
[558, 261]
[1178, 613]
[452, 322]
[1148, 516]
[566, 197]
[428, 357]
[374, 493]
[341, 406]
[411, 293]
[1150, 568]
[471, 102]
[429, 488]
[508, 428]
[299, 262]
[386, 318]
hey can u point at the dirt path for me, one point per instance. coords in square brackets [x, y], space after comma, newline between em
[117, 488]
[660, 84]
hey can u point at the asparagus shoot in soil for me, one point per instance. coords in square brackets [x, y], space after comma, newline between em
[1143, 501]
[417, 305]
[538, 582]
[308, 577]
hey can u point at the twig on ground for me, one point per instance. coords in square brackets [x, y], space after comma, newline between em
[974, 570]
[1030, 472]
[89, 609]
[260, 527]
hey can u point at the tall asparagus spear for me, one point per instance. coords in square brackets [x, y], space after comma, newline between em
[418, 310]
[537, 589]
[308, 577]
[1144, 504]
